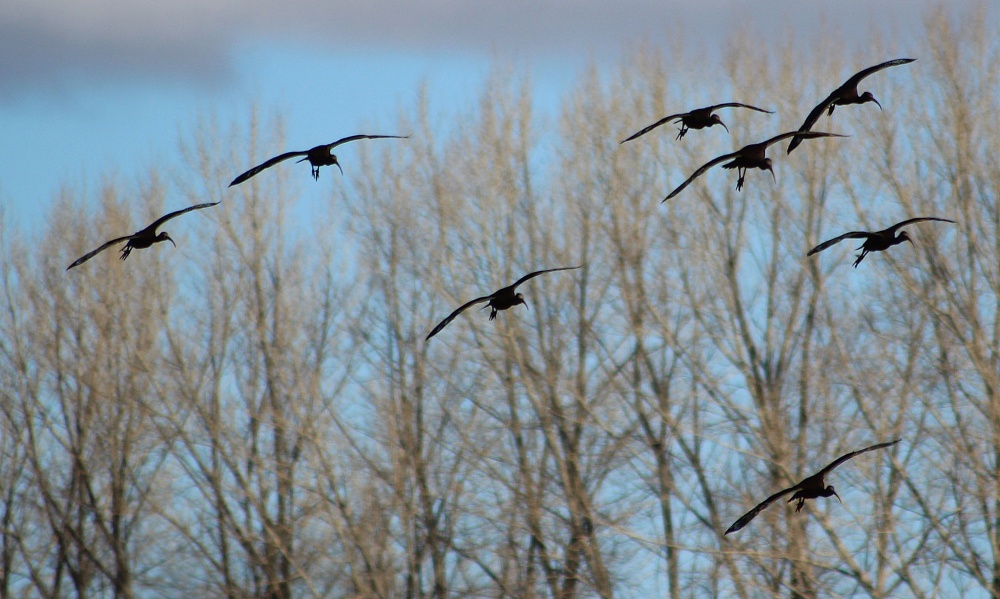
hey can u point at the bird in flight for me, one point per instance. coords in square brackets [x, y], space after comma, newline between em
[317, 157]
[747, 157]
[877, 241]
[501, 299]
[699, 118]
[844, 95]
[141, 239]
[809, 488]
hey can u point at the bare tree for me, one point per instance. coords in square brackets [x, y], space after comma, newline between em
[92, 461]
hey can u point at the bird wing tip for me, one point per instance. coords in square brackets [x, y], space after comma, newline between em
[737, 526]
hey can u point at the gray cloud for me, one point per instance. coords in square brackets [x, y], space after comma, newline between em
[194, 39]
[33, 58]
[43, 41]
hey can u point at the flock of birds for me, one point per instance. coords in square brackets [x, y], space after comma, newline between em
[748, 157]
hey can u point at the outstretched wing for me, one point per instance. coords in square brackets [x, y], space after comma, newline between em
[736, 105]
[857, 77]
[268, 164]
[177, 213]
[800, 135]
[747, 517]
[665, 119]
[452, 316]
[836, 240]
[848, 456]
[811, 120]
[540, 272]
[344, 140]
[893, 228]
[700, 172]
[108, 244]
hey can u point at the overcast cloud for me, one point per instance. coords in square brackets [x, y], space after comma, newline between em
[195, 39]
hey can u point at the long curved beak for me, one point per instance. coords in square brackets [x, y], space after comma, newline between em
[838, 497]
[724, 126]
[171, 240]
[526, 304]
[341, 170]
[877, 102]
[775, 179]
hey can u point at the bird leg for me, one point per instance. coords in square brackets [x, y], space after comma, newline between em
[683, 130]
[801, 501]
[493, 309]
[861, 257]
[126, 250]
[742, 172]
[315, 173]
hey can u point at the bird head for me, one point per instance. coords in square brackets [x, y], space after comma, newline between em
[767, 165]
[164, 237]
[868, 97]
[830, 491]
[718, 121]
[903, 236]
[519, 299]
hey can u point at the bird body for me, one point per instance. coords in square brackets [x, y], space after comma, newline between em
[877, 241]
[318, 156]
[699, 118]
[844, 95]
[809, 488]
[141, 239]
[501, 299]
[748, 157]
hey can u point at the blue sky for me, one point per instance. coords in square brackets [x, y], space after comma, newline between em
[96, 87]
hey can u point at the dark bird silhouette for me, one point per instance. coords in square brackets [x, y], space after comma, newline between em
[699, 118]
[747, 157]
[317, 157]
[501, 299]
[141, 239]
[878, 241]
[844, 95]
[809, 488]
